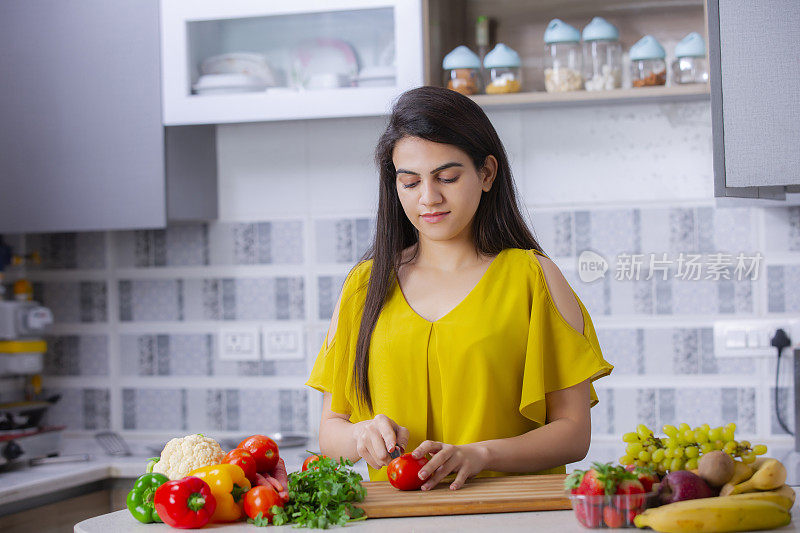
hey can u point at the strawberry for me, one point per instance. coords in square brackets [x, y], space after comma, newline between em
[646, 477]
[593, 483]
[601, 479]
[613, 517]
[588, 515]
[632, 493]
[573, 481]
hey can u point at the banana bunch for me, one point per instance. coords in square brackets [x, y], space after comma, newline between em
[755, 498]
[721, 514]
[766, 474]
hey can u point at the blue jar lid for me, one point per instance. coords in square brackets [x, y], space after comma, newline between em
[647, 48]
[599, 29]
[691, 46]
[559, 31]
[501, 56]
[461, 57]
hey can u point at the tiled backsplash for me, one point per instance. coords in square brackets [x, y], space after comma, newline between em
[218, 410]
[162, 301]
[138, 312]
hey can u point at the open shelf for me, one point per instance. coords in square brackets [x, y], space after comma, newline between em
[679, 93]
[520, 24]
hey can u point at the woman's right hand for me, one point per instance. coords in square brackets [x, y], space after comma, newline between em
[377, 437]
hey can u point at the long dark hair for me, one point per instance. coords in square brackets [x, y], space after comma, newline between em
[443, 116]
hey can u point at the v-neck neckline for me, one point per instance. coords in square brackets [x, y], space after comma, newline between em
[459, 304]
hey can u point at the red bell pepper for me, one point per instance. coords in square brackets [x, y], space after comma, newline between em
[185, 503]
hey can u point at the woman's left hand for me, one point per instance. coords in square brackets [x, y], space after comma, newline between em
[466, 459]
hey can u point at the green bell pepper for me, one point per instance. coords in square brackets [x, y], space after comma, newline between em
[151, 463]
[140, 498]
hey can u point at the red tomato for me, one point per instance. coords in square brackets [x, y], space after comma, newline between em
[310, 459]
[260, 499]
[244, 460]
[264, 450]
[403, 472]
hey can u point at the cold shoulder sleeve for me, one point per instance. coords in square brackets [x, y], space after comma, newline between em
[333, 370]
[558, 356]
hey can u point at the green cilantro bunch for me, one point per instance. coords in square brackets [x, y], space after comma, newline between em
[321, 496]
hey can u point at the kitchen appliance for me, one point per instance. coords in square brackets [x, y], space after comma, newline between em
[479, 495]
[17, 446]
[23, 436]
[26, 415]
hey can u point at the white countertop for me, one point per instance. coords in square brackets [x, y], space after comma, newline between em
[23, 483]
[561, 521]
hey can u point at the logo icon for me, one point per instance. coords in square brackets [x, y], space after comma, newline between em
[591, 266]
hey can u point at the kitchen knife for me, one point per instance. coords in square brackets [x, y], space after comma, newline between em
[397, 452]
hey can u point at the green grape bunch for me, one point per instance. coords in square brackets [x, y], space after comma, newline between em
[682, 446]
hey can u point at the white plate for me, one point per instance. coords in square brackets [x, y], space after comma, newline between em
[376, 77]
[239, 63]
[324, 63]
[228, 83]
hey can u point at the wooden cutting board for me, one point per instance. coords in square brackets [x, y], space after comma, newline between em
[478, 495]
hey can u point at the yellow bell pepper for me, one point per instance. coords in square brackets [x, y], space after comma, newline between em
[228, 485]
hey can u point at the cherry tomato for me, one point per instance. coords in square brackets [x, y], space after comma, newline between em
[260, 499]
[264, 451]
[403, 472]
[244, 460]
[310, 459]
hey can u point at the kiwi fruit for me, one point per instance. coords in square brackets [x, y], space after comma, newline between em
[716, 468]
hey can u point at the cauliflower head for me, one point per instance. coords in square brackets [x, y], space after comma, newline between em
[182, 455]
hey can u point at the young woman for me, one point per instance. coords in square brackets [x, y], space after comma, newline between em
[455, 335]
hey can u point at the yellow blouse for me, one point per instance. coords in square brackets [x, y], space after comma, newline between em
[480, 372]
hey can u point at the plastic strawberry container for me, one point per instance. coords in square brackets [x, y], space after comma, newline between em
[611, 511]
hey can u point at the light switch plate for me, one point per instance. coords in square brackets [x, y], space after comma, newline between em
[750, 337]
[282, 341]
[239, 344]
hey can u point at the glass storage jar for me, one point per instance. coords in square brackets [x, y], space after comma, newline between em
[563, 58]
[503, 66]
[690, 65]
[647, 63]
[462, 71]
[602, 56]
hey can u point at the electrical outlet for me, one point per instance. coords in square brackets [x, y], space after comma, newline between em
[239, 344]
[751, 338]
[283, 341]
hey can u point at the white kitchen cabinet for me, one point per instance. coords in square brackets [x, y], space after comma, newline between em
[82, 145]
[340, 58]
